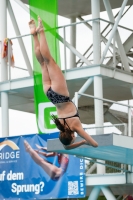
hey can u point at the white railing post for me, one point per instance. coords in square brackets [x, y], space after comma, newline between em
[9, 64]
[129, 118]
[65, 60]
[76, 99]
[4, 70]
[125, 129]
[73, 42]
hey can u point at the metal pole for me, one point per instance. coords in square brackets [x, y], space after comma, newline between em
[5, 114]
[61, 39]
[113, 30]
[92, 168]
[129, 119]
[108, 193]
[84, 87]
[9, 64]
[73, 42]
[125, 129]
[65, 60]
[114, 52]
[98, 86]
[3, 35]
[103, 163]
[87, 62]
[107, 100]
[118, 39]
[76, 99]
[129, 126]
[4, 70]
[94, 193]
[23, 49]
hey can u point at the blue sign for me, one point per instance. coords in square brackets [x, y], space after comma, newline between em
[28, 171]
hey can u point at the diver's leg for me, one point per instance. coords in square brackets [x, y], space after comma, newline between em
[53, 171]
[45, 73]
[58, 82]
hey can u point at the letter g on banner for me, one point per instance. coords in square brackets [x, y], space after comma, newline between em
[45, 123]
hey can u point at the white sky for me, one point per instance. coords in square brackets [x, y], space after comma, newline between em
[25, 123]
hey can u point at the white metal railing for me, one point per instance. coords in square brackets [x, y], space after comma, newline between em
[113, 165]
[63, 40]
[78, 95]
[103, 99]
[121, 127]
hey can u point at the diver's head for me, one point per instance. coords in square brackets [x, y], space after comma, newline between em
[67, 137]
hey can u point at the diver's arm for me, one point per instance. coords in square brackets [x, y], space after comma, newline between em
[89, 140]
[77, 127]
[74, 145]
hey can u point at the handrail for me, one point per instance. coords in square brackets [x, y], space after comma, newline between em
[105, 126]
[102, 99]
[107, 165]
[68, 25]
[101, 34]
[72, 24]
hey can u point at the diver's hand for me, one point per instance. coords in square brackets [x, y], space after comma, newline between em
[85, 142]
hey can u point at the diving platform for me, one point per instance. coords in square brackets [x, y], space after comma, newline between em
[81, 7]
[112, 147]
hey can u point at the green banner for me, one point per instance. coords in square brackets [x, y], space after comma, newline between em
[47, 10]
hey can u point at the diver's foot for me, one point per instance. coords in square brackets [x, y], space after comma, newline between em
[28, 148]
[32, 26]
[40, 26]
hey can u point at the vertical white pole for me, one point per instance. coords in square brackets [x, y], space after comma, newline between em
[76, 99]
[129, 118]
[3, 34]
[114, 51]
[108, 193]
[4, 114]
[73, 42]
[9, 61]
[65, 60]
[129, 127]
[98, 86]
[4, 70]
[94, 193]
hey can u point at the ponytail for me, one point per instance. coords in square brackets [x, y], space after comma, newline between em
[65, 134]
[58, 124]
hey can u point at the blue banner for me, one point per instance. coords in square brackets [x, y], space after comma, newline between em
[28, 171]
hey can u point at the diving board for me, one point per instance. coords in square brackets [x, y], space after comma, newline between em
[112, 147]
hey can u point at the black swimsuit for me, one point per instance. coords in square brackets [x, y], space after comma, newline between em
[56, 98]
[64, 119]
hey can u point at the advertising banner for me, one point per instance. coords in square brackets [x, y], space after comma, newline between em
[28, 171]
[48, 12]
